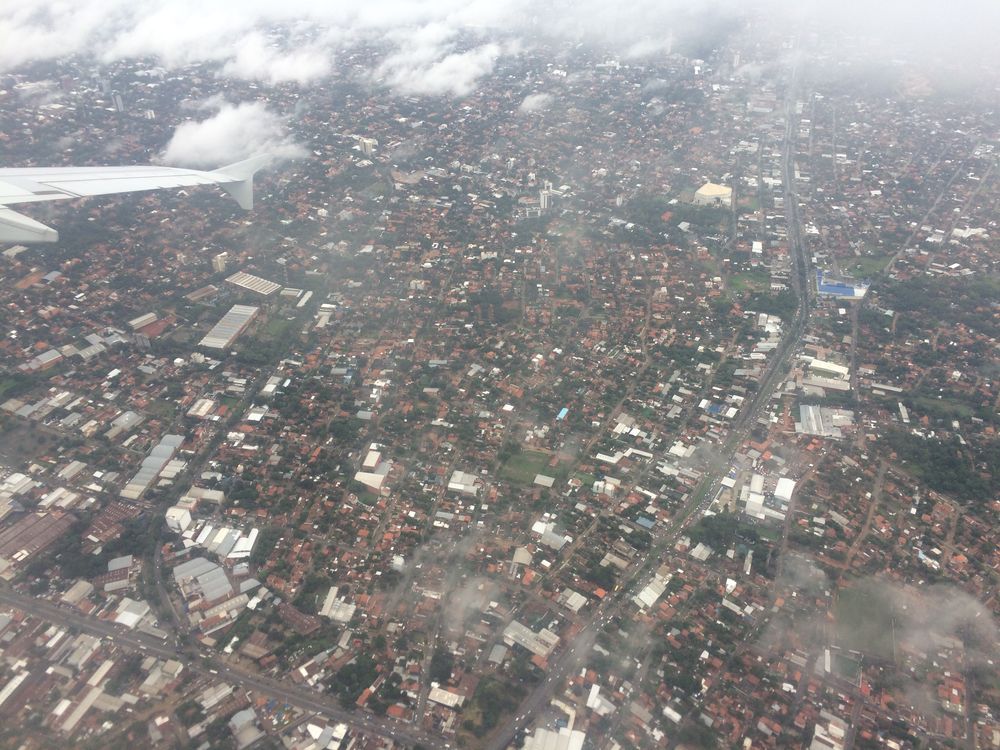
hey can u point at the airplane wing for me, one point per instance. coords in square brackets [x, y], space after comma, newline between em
[61, 183]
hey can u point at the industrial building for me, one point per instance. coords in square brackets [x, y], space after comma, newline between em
[227, 330]
[841, 287]
[463, 483]
[202, 578]
[253, 283]
[711, 194]
[336, 608]
[152, 466]
[374, 469]
[178, 519]
[824, 422]
[541, 643]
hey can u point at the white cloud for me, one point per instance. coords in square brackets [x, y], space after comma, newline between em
[535, 102]
[255, 58]
[434, 71]
[235, 132]
[424, 56]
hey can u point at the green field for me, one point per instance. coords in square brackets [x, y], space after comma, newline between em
[750, 280]
[522, 467]
[7, 384]
[866, 266]
[772, 534]
[277, 328]
[230, 401]
[943, 408]
[161, 409]
[846, 667]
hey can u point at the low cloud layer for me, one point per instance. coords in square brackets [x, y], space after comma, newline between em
[257, 58]
[234, 132]
[444, 47]
[923, 617]
[535, 102]
[428, 70]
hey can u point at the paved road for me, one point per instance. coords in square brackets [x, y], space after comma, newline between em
[202, 664]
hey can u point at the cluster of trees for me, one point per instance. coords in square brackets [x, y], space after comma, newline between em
[344, 430]
[15, 383]
[509, 449]
[947, 466]
[442, 664]
[353, 679]
[491, 305]
[726, 530]
[123, 674]
[783, 304]
[245, 493]
[311, 587]
[683, 355]
[968, 301]
[647, 210]
[493, 699]
[136, 539]
[190, 713]
[266, 542]
[601, 575]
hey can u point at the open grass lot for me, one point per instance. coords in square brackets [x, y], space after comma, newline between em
[522, 468]
[769, 533]
[162, 409]
[866, 266]
[230, 401]
[750, 280]
[276, 328]
[864, 621]
[846, 667]
[7, 384]
[943, 408]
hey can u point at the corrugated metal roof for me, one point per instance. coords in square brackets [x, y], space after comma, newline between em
[232, 324]
[193, 568]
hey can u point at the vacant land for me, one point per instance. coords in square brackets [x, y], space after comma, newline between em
[521, 468]
[755, 280]
[21, 441]
[866, 266]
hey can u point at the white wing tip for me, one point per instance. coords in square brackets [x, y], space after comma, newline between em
[241, 175]
[15, 227]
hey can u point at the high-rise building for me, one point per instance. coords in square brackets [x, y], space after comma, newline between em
[219, 262]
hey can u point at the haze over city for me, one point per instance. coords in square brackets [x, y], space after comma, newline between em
[447, 374]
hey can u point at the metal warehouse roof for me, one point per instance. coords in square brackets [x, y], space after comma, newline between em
[232, 324]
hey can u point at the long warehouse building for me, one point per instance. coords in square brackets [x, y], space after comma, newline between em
[227, 330]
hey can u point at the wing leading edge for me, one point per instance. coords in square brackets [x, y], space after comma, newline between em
[55, 183]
